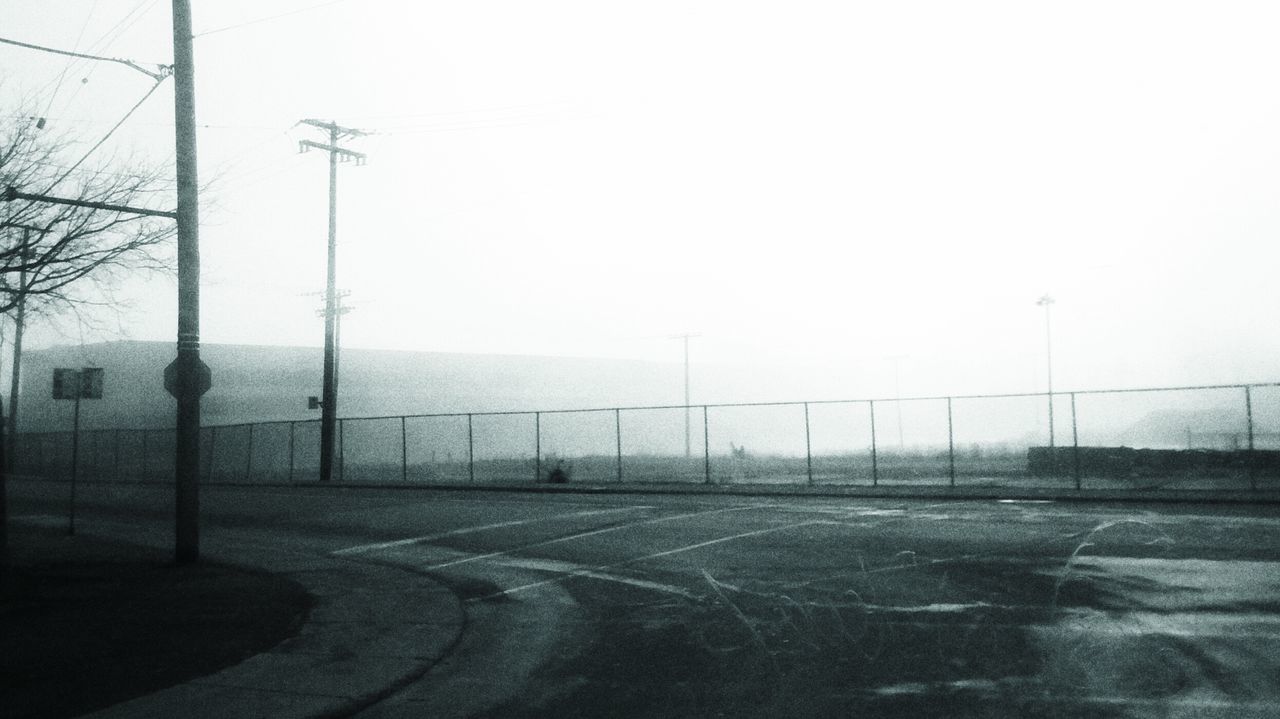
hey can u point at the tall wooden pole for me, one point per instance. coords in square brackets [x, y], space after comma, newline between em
[187, 365]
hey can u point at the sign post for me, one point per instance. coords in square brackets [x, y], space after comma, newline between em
[84, 383]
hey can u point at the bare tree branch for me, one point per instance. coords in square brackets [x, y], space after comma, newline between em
[76, 255]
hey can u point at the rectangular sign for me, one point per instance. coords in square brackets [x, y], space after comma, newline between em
[91, 383]
[85, 383]
[66, 383]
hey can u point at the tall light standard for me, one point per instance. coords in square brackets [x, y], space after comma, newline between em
[897, 396]
[688, 437]
[1046, 302]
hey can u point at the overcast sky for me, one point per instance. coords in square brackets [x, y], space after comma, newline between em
[810, 184]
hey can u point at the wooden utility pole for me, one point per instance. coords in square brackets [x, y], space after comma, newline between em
[329, 394]
[187, 376]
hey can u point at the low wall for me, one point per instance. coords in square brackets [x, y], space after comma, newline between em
[1122, 462]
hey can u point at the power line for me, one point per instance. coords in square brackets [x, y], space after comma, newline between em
[63, 76]
[109, 38]
[107, 136]
[268, 18]
[163, 71]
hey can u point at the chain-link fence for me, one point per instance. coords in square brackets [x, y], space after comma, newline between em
[1209, 437]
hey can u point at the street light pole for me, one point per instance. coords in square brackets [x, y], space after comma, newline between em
[1046, 302]
[897, 396]
[688, 441]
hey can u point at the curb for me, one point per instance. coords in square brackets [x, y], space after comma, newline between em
[372, 630]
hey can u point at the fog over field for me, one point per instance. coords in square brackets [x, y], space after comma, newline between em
[840, 199]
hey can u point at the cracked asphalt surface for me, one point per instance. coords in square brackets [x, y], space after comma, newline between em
[628, 605]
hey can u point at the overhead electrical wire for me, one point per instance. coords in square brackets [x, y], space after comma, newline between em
[63, 75]
[161, 73]
[268, 18]
[109, 38]
[107, 136]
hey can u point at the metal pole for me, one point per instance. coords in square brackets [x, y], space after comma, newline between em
[75, 458]
[19, 323]
[213, 452]
[189, 366]
[706, 445]
[688, 446]
[951, 444]
[1075, 442]
[1248, 410]
[471, 452]
[875, 465]
[404, 451]
[248, 461]
[808, 449]
[617, 425]
[1046, 302]
[293, 426]
[537, 446]
[4, 506]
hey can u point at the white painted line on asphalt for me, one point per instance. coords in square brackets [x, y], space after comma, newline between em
[591, 533]
[364, 548]
[655, 555]
[556, 566]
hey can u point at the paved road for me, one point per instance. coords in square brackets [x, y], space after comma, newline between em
[642, 605]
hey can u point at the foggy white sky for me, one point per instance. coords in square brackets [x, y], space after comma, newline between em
[821, 185]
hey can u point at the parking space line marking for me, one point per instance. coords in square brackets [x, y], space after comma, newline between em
[364, 548]
[555, 566]
[591, 533]
[655, 555]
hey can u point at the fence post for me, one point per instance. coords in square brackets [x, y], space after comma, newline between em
[404, 451]
[537, 447]
[951, 444]
[1248, 411]
[1075, 443]
[808, 447]
[293, 426]
[248, 462]
[706, 446]
[213, 448]
[471, 452]
[875, 465]
[617, 425]
[342, 454]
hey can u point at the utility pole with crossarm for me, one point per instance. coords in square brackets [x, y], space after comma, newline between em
[329, 398]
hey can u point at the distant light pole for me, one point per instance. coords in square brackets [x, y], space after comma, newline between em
[688, 442]
[897, 396]
[1046, 302]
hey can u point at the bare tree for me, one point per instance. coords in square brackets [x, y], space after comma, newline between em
[60, 258]
[57, 254]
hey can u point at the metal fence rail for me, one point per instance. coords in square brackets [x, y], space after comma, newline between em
[975, 440]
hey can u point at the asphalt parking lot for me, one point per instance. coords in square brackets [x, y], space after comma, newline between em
[645, 605]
